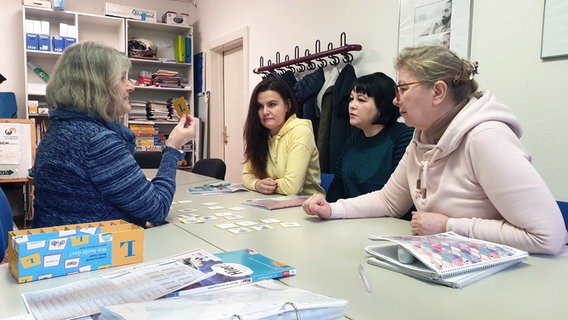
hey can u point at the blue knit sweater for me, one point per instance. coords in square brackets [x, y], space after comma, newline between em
[85, 171]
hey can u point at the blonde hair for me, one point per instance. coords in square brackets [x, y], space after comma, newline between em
[432, 63]
[85, 78]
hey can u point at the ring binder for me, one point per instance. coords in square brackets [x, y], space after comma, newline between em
[282, 310]
[267, 299]
[293, 306]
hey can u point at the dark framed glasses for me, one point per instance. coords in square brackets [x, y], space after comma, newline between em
[399, 89]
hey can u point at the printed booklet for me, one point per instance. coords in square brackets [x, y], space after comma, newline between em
[227, 269]
[445, 258]
[217, 188]
[280, 202]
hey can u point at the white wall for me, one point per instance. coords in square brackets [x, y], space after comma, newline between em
[506, 39]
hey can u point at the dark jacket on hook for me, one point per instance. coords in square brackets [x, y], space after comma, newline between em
[323, 130]
[306, 91]
[340, 129]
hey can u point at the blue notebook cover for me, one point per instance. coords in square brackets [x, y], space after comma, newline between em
[259, 267]
[228, 269]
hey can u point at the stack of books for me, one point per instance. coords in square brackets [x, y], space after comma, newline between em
[138, 110]
[161, 111]
[166, 79]
[147, 136]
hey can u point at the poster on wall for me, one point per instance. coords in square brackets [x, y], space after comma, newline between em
[554, 29]
[435, 22]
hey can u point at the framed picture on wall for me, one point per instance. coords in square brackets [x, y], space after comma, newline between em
[435, 22]
[555, 29]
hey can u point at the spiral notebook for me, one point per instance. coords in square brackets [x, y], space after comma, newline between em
[444, 258]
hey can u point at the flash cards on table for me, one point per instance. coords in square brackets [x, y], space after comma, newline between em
[231, 219]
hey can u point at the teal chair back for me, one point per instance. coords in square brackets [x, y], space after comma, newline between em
[326, 179]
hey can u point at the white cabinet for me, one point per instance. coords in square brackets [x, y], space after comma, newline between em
[162, 36]
[114, 32]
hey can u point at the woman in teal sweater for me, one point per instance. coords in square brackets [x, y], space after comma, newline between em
[368, 157]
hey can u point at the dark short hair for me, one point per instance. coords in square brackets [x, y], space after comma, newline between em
[381, 88]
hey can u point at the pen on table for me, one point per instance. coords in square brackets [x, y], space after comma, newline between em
[365, 280]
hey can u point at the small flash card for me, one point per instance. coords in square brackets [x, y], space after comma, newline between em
[234, 217]
[240, 230]
[246, 223]
[262, 227]
[227, 225]
[289, 224]
[181, 106]
[269, 220]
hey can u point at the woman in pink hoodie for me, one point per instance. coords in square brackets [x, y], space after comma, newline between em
[465, 170]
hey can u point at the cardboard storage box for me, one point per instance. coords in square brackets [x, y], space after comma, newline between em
[181, 19]
[117, 10]
[37, 3]
[36, 254]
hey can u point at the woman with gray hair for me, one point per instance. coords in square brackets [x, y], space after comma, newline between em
[84, 167]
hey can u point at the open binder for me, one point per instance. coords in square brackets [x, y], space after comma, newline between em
[444, 258]
[267, 299]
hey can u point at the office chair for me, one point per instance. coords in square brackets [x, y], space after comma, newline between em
[326, 179]
[6, 222]
[148, 159]
[211, 167]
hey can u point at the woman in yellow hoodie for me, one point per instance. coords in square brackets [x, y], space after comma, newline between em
[280, 150]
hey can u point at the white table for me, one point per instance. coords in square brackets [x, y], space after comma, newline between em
[327, 254]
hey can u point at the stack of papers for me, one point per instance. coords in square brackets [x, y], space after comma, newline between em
[134, 284]
[266, 299]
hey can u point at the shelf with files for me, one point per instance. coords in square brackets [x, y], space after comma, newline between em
[160, 75]
[39, 61]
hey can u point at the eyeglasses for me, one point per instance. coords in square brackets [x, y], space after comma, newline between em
[399, 89]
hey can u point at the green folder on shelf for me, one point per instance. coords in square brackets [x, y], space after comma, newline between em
[179, 48]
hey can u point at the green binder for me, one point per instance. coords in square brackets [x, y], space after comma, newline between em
[179, 48]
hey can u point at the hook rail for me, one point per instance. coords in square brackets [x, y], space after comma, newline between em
[318, 55]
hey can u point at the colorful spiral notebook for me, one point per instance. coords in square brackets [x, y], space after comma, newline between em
[445, 258]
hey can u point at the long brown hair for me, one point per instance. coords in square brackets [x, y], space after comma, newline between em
[255, 134]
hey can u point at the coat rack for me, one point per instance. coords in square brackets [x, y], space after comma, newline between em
[300, 64]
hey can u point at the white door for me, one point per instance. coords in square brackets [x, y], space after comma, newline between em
[234, 112]
[228, 100]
